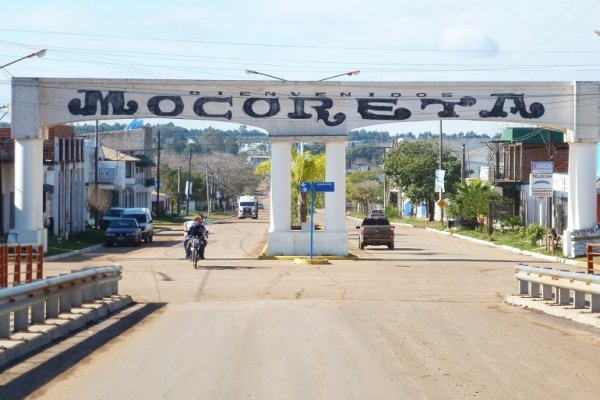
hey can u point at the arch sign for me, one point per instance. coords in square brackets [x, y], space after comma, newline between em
[294, 111]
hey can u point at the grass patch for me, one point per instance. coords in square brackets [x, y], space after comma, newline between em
[75, 242]
[92, 237]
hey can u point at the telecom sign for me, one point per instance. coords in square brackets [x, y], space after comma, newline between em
[540, 179]
[540, 185]
[317, 187]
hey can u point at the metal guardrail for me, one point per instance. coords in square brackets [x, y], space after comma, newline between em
[557, 285]
[46, 298]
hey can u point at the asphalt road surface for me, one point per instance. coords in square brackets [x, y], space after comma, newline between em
[424, 321]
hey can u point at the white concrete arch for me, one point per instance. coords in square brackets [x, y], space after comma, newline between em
[296, 111]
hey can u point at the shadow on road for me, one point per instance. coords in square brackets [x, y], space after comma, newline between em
[26, 383]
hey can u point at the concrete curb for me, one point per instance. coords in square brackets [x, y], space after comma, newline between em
[583, 316]
[75, 252]
[514, 250]
[308, 261]
[40, 335]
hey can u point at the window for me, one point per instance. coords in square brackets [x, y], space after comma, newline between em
[129, 169]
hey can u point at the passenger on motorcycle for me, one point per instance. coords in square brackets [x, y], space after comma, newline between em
[199, 230]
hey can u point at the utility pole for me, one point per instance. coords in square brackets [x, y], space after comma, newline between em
[97, 216]
[207, 193]
[179, 191]
[189, 184]
[463, 164]
[440, 168]
[158, 176]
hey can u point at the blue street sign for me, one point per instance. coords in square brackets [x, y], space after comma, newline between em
[305, 187]
[323, 186]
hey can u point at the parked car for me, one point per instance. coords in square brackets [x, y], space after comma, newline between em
[144, 217]
[376, 231]
[376, 214]
[112, 214]
[261, 206]
[123, 231]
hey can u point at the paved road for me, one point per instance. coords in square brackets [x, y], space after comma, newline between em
[424, 321]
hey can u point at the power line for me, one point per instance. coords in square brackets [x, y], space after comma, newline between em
[279, 45]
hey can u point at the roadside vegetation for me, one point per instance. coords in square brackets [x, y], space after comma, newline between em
[93, 236]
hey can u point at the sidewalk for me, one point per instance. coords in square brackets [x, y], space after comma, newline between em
[550, 307]
[515, 250]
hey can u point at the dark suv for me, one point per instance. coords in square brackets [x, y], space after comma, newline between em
[112, 214]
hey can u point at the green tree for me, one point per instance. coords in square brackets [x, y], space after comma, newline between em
[412, 165]
[364, 192]
[471, 201]
[363, 187]
[212, 140]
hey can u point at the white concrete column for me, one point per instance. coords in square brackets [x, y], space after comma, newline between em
[29, 174]
[335, 171]
[281, 192]
[582, 186]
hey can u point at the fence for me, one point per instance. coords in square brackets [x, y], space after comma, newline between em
[593, 250]
[557, 285]
[20, 263]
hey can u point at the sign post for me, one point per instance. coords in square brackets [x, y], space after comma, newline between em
[313, 187]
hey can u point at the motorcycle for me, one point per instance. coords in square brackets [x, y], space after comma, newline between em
[197, 243]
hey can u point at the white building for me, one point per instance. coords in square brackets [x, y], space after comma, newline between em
[124, 166]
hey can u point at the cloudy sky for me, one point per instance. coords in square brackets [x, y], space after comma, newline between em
[387, 40]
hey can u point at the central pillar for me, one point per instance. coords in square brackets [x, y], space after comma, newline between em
[582, 220]
[29, 173]
[281, 192]
[335, 171]
[582, 185]
[281, 239]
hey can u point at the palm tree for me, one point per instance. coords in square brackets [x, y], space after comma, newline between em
[471, 200]
[306, 167]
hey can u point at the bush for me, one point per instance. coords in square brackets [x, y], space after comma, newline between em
[532, 233]
[391, 212]
[513, 222]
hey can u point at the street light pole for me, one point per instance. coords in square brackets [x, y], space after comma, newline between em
[251, 72]
[40, 53]
[350, 73]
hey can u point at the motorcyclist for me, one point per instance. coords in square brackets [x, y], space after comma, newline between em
[196, 230]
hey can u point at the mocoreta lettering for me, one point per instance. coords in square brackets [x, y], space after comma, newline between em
[369, 107]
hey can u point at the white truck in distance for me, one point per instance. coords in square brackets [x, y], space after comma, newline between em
[247, 207]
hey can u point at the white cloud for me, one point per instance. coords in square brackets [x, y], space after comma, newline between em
[472, 41]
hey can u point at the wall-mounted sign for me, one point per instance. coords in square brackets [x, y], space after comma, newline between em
[540, 185]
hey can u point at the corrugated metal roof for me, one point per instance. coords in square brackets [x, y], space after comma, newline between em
[533, 135]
